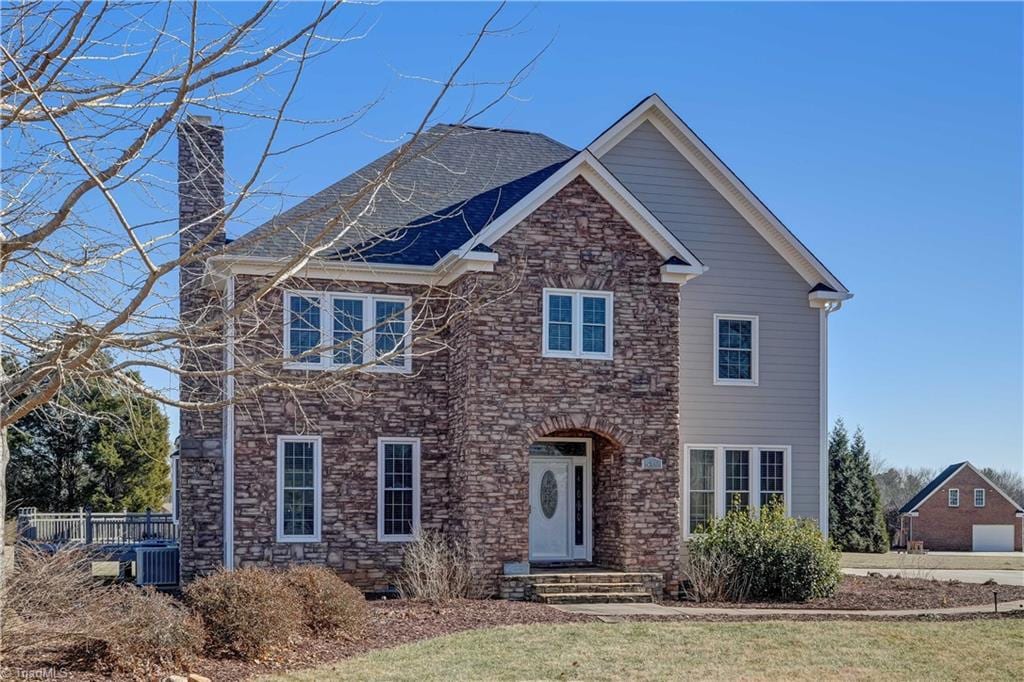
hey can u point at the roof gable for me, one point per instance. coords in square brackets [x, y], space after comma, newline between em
[679, 259]
[654, 110]
[945, 475]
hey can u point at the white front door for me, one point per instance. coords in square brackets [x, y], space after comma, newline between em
[550, 508]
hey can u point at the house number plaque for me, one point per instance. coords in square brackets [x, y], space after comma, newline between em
[652, 463]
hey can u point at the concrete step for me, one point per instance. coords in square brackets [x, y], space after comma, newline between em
[595, 598]
[583, 578]
[562, 588]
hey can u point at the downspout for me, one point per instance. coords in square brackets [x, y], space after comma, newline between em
[229, 430]
[823, 481]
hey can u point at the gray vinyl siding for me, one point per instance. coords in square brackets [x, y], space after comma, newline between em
[746, 276]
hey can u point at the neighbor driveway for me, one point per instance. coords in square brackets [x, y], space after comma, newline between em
[965, 576]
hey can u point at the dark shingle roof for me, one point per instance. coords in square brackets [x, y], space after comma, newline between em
[932, 485]
[426, 240]
[821, 286]
[457, 180]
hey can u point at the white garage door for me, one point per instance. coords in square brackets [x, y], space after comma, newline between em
[993, 539]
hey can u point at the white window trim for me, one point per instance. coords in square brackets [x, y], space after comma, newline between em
[317, 488]
[371, 361]
[949, 497]
[983, 497]
[381, 536]
[755, 478]
[577, 324]
[754, 345]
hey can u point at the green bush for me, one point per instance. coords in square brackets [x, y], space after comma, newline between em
[329, 604]
[763, 557]
[248, 612]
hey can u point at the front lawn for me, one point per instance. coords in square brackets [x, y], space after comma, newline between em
[926, 562]
[978, 649]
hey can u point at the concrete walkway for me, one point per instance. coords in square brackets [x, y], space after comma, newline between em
[964, 576]
[612, 610]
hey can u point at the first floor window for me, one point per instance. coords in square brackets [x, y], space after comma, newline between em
[345, 330]
[398, 488]
[954, 497]
[737, 479]
[772, 482]
[979, 497]
[577, 324]
[702, 487]
[736, 349]
[298, 489]
[723, 478]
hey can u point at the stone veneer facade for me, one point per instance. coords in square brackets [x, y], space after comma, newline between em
[477, 402]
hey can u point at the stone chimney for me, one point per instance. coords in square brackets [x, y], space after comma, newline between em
[201, 474]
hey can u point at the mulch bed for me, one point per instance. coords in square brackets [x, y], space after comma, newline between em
[391, 623]
[883, 593]
[397, 622]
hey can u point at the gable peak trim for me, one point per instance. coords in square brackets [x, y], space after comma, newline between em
[654, 110]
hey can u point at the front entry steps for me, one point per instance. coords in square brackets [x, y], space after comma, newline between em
[583, 587]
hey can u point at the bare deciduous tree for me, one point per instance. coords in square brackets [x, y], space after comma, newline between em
[91, 249]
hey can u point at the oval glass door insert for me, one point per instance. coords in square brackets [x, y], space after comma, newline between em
[548, 494]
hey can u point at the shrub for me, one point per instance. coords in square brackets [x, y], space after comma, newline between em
[329, 604]
[436, 568]
[154, 631]
[53, 604]
[247, 612]
[50, 599]
[767, 556]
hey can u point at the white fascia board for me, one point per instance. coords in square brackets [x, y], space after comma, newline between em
[693, 149]
[588, 166]
[832, 300]
[219, 267]
[680, 274]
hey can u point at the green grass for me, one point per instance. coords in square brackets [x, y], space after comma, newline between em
[932, 561]
[967, 650]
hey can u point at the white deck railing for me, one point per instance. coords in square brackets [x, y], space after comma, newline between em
[107, 528]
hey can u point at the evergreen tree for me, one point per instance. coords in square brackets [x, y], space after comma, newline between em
[871, 532]
[92, 446]
[840, 470]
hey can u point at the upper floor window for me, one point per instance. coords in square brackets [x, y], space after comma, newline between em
[298, 489]
[954, 497]
[979, 497]
[577, 324]
[736, 349]
[345, 330]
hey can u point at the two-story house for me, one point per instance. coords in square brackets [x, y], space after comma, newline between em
[568, 357]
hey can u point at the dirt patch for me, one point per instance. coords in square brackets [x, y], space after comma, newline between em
[884, 593]
[391, 623]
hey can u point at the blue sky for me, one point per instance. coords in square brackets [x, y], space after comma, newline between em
[887, 137]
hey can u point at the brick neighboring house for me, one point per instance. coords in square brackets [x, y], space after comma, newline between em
[659, 345]
[961, 510]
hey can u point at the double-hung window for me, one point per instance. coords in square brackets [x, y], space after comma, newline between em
[577, 324]
[702, 487]
[735, 345]
[953, 497]
[398, 489]
[737, 479]
[298, 489]
[979, 497]
[724, 478]
[348, 330]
